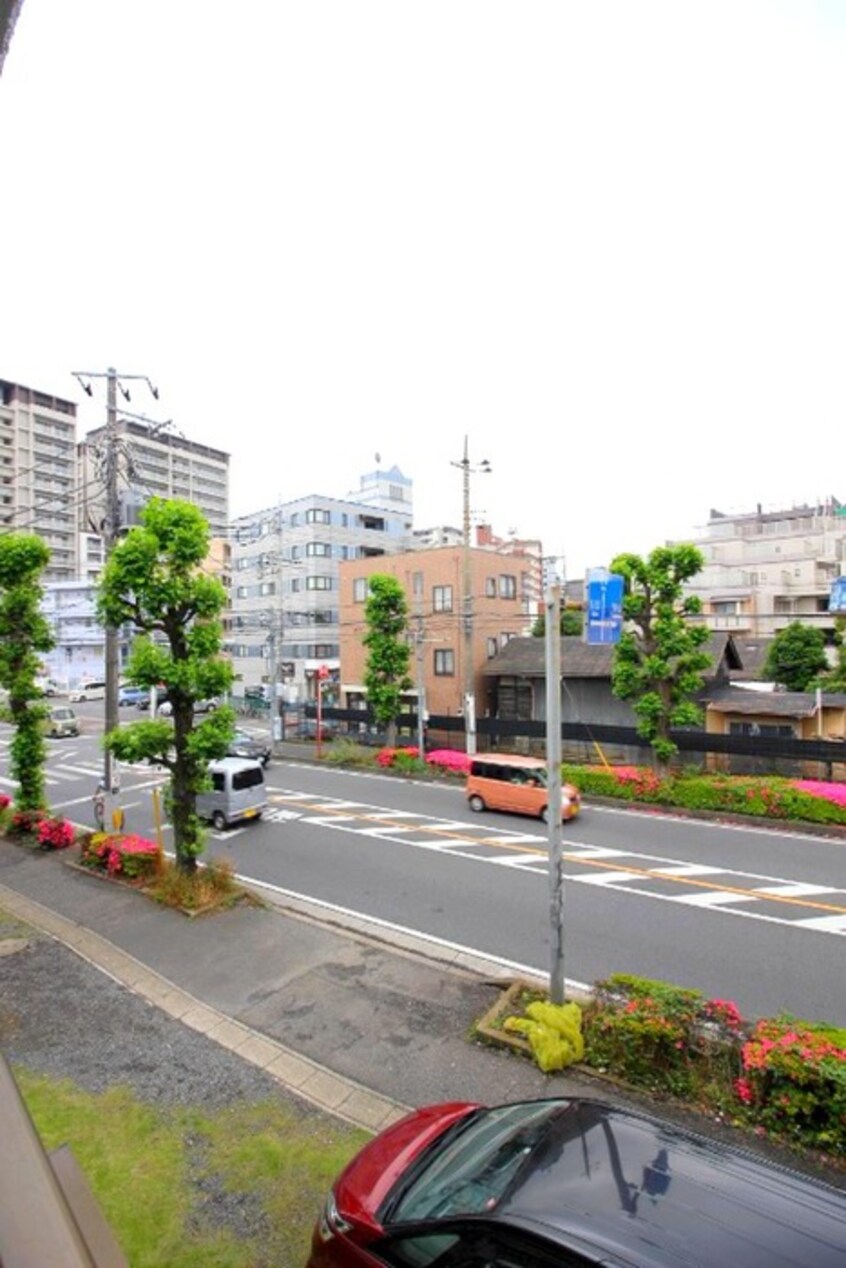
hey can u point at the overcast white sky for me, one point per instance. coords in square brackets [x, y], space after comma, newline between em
[606, 241]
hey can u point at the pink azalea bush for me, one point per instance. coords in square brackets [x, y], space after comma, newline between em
[55, 834]
[449, 759]
[129, 856]
[820, 788]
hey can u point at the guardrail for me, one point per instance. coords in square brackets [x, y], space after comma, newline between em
[48, 1214]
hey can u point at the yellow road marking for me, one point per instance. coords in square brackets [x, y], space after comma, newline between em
[586, 861]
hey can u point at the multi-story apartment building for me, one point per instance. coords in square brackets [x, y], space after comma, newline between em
[155, 462]
[285, 581]
[79, 653]
[766, 569]
[442, 631]
[38, 472]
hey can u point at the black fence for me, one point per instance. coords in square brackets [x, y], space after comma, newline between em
[737, 754]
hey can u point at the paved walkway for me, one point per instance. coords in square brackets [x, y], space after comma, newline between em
[354, 1025]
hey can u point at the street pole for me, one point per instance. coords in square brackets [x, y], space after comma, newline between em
[467, 677]
[110, 533]
[552, 603]
[421, 688]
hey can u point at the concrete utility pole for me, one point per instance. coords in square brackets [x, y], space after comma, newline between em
[469, 699]
[110, 533]
[552, 608]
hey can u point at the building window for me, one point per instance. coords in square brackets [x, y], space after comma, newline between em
[725, 607]
[318, 583]
[360, 585]
[771, 729]
[442, 599]
[242, 592]
[490, 587]
[504, 639]
[417, 584]
[444, 662]
[507, 587]
[267, 587]
[317, 516]
[318, 548]
[295, 553]
[492, 647]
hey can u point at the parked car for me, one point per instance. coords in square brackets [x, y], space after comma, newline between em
[88, 691]
[61, 721]
[47, 685]
[570, 1181]
[165, 709]
[143, 701]
[130, 695]
[245, 745]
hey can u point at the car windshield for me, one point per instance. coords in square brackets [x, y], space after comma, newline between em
[471, 1171]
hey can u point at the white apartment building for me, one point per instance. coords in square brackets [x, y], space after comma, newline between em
[79, 654]
[285, 595]
[155, 462]
[765, 569]
[38, 472]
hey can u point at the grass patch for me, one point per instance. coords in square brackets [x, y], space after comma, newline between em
[155, 1172]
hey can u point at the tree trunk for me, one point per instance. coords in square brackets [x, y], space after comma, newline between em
[183, 810]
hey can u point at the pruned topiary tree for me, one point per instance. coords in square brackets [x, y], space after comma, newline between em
[24, 634]
[154, 579]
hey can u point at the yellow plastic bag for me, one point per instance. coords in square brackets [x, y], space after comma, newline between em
[554, 1032]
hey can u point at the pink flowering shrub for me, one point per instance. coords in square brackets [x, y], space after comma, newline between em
[55, 834]
[794, 1081]
[5, 801]
[128, 856]
[450, 759]
[820, 788]
[25, 822]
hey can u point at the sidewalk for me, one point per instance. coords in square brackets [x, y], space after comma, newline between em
[356, 1026]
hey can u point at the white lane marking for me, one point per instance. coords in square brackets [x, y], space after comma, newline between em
[714, 898]
[91, 771]
[823, 924]
[798, 890]
[604, 878]
[688, 869]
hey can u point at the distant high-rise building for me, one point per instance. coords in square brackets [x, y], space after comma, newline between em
[38, 472]
[155, 462]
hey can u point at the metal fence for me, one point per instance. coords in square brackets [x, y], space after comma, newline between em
[734, 754]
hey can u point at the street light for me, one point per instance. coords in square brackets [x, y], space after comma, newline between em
[483, 468]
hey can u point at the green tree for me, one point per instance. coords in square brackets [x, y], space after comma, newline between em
[571, 624]
[658, 662]
[154, 579]
[24, 633]
[835, 679]
[796, 657]
[386, 673]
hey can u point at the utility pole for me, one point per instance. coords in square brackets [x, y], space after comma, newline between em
[552, 601]
[110, 533]
[469, 699]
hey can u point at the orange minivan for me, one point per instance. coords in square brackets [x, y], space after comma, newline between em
[517, 785]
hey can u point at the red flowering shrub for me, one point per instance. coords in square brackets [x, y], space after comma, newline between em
[794, 1081]
[130, 856]
[25, 822]
[55, 834]
[5, 801]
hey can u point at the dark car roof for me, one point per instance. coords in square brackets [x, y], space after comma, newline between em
[650, 1193]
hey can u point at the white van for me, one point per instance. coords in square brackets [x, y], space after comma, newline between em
[88, 691]
[238, 792]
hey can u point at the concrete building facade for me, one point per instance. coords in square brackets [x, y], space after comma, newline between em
[38, 479]
[155, 462]
[433, 583]
[765, 569]
[285, 584]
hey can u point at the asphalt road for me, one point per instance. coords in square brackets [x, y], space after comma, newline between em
[753, 915]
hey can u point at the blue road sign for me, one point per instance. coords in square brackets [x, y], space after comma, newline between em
[837, 598]
[604, 606]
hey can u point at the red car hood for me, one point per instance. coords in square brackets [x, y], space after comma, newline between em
[366, 1181]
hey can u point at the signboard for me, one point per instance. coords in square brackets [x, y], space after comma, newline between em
[604, 591]
[323, 671]
[837, 598]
